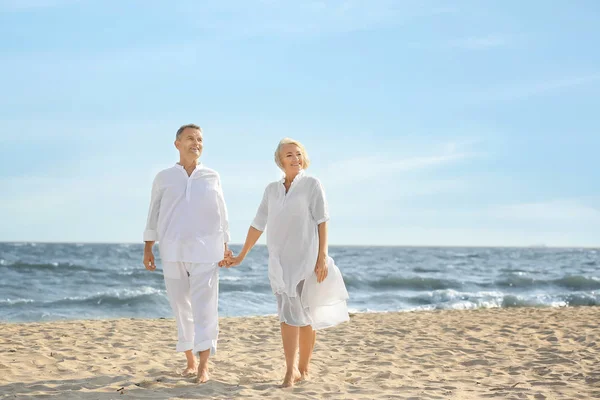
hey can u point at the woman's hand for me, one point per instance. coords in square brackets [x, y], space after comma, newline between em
[321, 269]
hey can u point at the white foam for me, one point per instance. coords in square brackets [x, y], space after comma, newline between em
[230, 278]
[16, 301]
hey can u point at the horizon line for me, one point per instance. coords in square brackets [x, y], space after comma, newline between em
[533, 246]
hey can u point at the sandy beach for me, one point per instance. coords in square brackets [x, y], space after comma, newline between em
[524, 353]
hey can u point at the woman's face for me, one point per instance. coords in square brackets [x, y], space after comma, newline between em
[291, 158]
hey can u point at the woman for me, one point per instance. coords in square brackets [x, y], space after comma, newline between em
[309, 288]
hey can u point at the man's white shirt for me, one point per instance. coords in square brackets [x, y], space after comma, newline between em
[188, 216]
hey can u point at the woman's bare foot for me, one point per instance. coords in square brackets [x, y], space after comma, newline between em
[291, 378]
[304, 375]
[202, 375]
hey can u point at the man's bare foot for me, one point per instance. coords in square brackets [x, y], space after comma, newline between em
[291, 378]
[202, 375]
[189, 370]
[191, 363]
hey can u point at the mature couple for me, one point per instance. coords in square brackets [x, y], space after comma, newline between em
[188, 218]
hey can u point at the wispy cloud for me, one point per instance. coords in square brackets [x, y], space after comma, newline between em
[383, 165]
[29, 5]
[534, 215]
[308, 17]
[74, 209]
[528, 90]
[480, 43]
[555, 222]
[559, 210]
[524, 90]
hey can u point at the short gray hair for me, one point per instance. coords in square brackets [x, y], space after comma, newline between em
[305, 159]
[180, 130]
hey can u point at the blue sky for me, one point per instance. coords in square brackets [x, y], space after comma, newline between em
[428, 122]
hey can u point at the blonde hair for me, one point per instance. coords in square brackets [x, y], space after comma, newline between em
[284, 141]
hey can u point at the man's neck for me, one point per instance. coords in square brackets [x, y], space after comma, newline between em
[189, 164]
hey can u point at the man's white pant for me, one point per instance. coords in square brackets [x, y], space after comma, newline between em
[193, 291]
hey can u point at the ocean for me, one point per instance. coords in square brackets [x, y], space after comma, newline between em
[44, 281]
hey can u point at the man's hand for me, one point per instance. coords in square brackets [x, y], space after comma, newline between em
[321, 269]
[226, 255]
[149, 262]
[232, 261]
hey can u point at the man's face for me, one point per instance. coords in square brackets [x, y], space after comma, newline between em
[190, 143]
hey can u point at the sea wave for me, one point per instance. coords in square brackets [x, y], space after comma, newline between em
[572, 282]
[452, 299]
[54, 267]
[396, 282]
[112, 298]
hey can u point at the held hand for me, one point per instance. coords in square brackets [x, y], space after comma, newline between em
[226, 255]
[233, 261]
[321, 269]
[149, 261]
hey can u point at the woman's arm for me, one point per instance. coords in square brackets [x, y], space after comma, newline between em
[321, 266]
[320, 215]
[251, 239]
[323, 239]
[254, 232]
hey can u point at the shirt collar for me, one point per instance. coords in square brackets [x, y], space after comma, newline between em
[198, 166]
[297, 178]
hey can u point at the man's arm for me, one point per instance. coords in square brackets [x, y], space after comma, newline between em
[224, 218]
[149, 261]
[151, 233]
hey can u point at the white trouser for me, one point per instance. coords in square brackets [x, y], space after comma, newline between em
[193, 291]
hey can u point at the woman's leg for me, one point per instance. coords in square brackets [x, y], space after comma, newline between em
[307, 339]
[289, 337]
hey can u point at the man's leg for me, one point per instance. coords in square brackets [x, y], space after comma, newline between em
[177, 283]
[204, 289]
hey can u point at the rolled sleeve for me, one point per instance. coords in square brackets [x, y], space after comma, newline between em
[262, 214]
[226, 237]
[318, 204]
[150, 235]
[151, 232]
[324, 219]
[224, 215]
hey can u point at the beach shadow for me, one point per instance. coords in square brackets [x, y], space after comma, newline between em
[111, 387]
[68, 388]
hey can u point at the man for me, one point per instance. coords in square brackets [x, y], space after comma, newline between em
[188, 218]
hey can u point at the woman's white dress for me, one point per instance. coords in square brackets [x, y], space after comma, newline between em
[292, 221]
